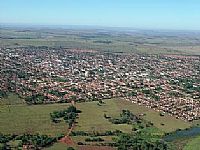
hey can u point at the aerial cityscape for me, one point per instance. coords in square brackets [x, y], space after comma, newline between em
[96, 83]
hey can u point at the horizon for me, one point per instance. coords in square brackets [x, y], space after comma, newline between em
[90, 27]
[154, 15]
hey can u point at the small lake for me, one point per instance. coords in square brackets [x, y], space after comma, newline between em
[194, 131]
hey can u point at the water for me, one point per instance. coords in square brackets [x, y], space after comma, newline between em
[195, 131]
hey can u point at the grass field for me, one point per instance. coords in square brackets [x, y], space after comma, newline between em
[91, 118]
[57, 146]
[17, 117]
[12, 99]
[193, 144]
[21, 118]
[170, 123]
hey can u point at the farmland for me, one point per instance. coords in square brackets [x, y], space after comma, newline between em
[104, 40]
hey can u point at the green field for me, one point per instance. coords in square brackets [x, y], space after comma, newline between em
[30, 119]
[92, 117]
[17, 117]
[170, 123]
[104, 40]
[21, 118]
[193, 144]
[57, 146]
[12, 99]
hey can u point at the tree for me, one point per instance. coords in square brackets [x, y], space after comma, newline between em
[70, 148]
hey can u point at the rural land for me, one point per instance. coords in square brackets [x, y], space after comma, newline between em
[82, 88]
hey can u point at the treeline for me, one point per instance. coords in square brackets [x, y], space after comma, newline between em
[103, 42]
[107, 133]
[94, 139]
[3, 94]
[27, 140]
[137, 142]
[35, 99]
[69, 115]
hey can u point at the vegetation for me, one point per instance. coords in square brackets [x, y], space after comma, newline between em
[57, 93]
[126, 117]
[35, 119]
[193, 144]
[3, 94]
[107, 133]
[30, 119]
[138, 142]
[57, 146]
[35, 99]
[94, 139]
[153, 117]
[11, 99]
[69, 115]
[118, 42]
[31, 141]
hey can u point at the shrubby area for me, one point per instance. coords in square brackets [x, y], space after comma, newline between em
[27, 141]
[138, 142]
[35, 99]
[125, 117]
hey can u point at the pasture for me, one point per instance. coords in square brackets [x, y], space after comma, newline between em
[21, 118]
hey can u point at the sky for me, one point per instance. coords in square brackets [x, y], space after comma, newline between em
[144, 14]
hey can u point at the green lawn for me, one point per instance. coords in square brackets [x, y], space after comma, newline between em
[194, 144]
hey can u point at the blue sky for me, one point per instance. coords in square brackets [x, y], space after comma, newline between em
[150, 14]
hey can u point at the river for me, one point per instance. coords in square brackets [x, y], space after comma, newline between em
[191, 132]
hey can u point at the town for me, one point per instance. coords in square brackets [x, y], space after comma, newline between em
[166, 83]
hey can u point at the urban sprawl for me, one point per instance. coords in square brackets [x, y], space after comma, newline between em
[166, 83]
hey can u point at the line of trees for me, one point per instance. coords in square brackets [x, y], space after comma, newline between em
[106, 133]
[3, 94]
[94, 139]
[35, 99]
[136, 142]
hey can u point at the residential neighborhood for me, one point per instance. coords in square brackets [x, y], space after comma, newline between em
[166, 83]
